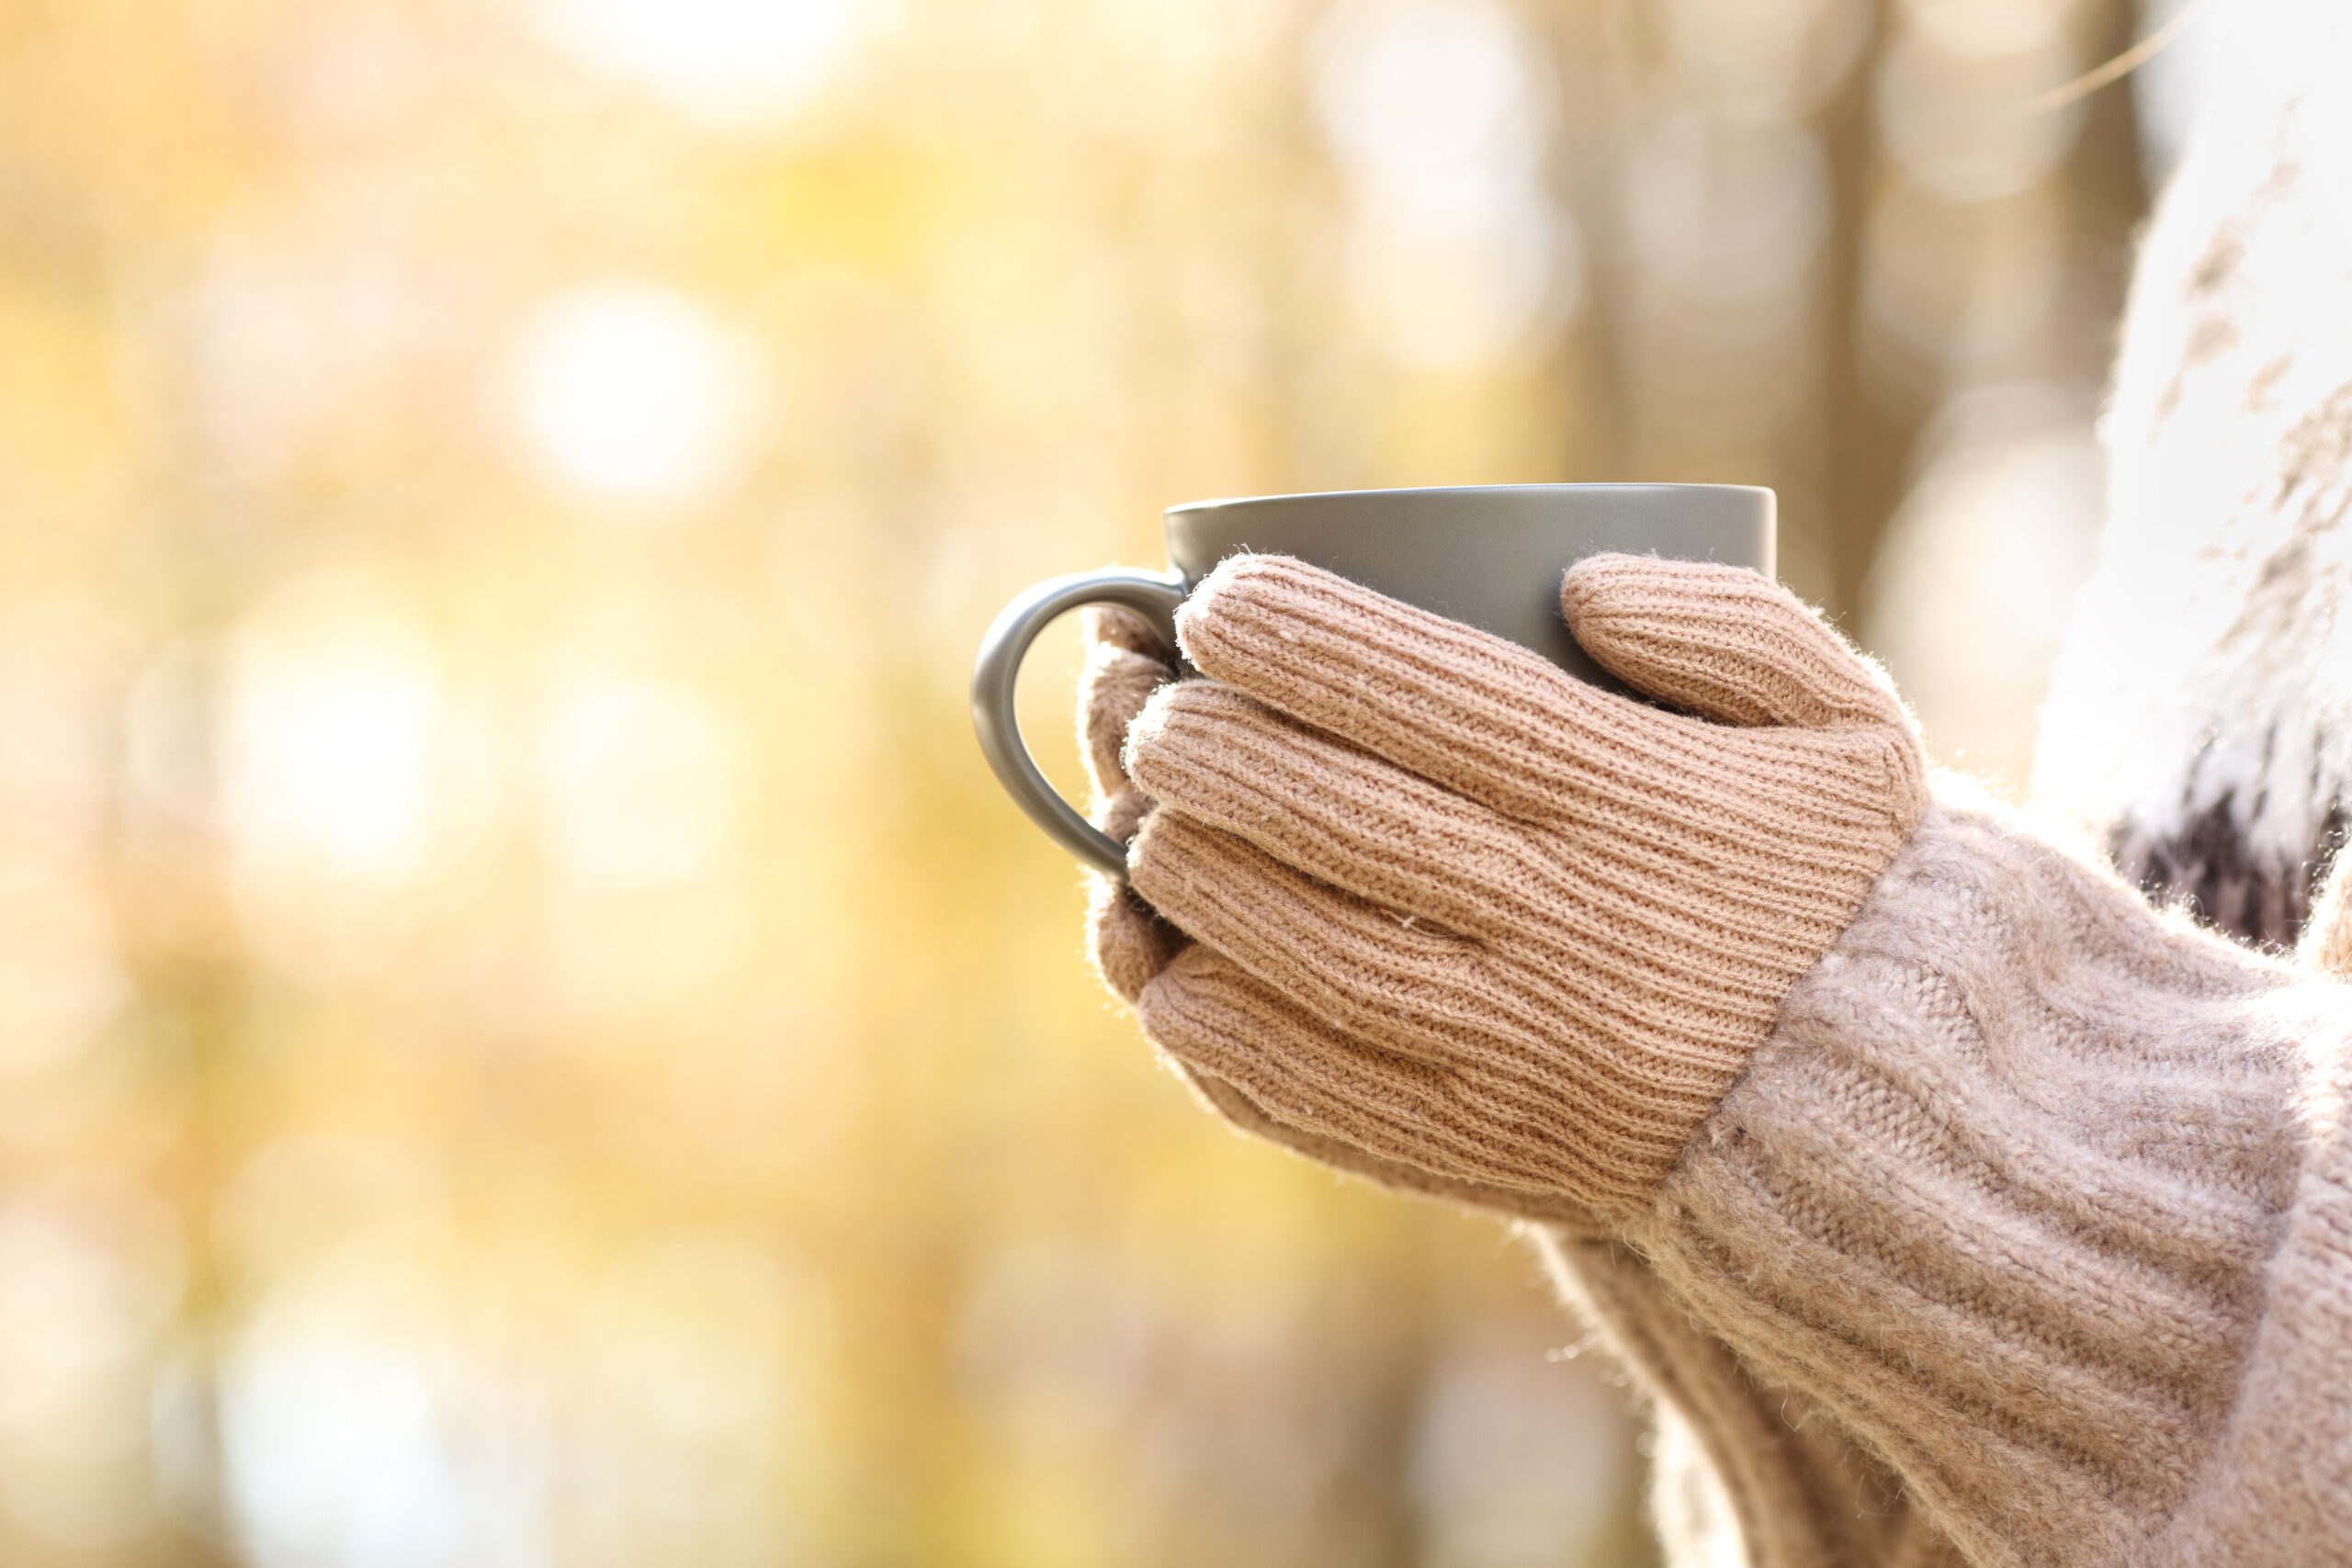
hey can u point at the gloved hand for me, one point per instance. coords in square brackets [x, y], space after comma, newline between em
[1130, 944]
[1470, 917]
[1920, 1118]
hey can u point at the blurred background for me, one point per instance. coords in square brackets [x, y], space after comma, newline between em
[528, 1036]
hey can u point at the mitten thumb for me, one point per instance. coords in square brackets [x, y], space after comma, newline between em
[1723, 643]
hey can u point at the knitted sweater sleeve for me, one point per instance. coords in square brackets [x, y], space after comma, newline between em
[1742, 1473]
[2280, 1488]
[2045, 1200]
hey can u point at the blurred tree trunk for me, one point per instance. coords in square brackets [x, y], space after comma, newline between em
[2108, 198]
[1862, 457]
[1844, 458]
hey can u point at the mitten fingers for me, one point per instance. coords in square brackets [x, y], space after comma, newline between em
[1379, 976]
[1486, 720]
[1125, 662]
[1249, 1116]
[1216, 1018]
[1463, 709]
[1340, 815]
[1721, 642]
[1128, 942]
[1768, 810]
[1406, 985]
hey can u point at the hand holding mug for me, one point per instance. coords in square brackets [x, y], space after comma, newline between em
[1470, 917]
[1489, 557]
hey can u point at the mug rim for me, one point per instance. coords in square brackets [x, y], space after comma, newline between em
[1578, 488]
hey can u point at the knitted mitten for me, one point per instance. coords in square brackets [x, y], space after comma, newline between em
[1460, 911]
[1130, 944]
[1125, 662]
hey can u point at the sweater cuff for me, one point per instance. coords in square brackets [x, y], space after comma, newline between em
[2000, 1189]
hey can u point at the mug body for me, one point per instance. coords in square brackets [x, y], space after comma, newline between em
[1491, 556]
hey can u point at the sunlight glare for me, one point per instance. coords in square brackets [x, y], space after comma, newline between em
[635, 395]
[337, 743]
[359, 1431]
[1438, 111]
[729, 63]
[90, 1271]
[1420, 90]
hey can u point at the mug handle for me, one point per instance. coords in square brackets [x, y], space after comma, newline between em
[1151, 595]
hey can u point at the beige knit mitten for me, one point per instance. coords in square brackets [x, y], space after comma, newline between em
[1130, 944]
[1470, 917]
[1126, 663]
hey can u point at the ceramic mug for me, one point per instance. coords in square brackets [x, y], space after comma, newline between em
[1491, 556]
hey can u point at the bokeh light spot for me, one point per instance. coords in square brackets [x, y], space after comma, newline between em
[635, 396]
[1969, 596]
[729, 63]
[355, 1434]
[1423, 86]
[335, 739]
[1438, 113]
[90, 1270]
[1457, 296]
[1727, 215]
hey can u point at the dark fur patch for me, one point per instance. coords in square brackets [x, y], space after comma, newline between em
[2211, 870]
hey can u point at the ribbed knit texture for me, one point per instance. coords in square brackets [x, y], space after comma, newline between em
[1468, 914]
[1129, 943]
[1126, 663]
[1744, 1473]
[2000, 1190]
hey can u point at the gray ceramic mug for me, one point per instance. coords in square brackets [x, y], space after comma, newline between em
[1490, 556]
